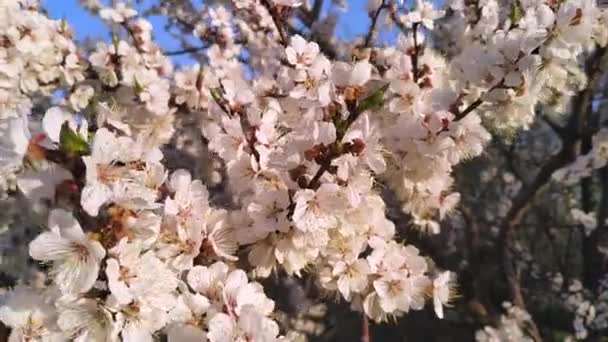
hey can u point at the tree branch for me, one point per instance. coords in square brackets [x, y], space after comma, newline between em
[397, 21]
[272, 10]
[185, 51]
[416, 52]
[365, 336]
[559, 130]
[523, 200]
[374, 22]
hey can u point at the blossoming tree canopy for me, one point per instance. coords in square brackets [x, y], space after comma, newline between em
[301, 132]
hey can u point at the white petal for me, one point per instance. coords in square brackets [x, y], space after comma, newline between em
[185, 333]
[52, 122]
[49, 246]
[66, 224]
[75, 276]
[361, 73]
[221, 328]
[118, 288]
[38, 185]
[94, 196]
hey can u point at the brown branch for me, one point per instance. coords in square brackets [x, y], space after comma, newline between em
[470, 108]
[472, 238]
[272, 10]
[594, 263]
[326, 164]
[398, 21]
[416, 52]
[185, 51]
[508, 154]
[316, 10]
[523, 200]
[559, 130]
[365, 336]
[459, 115]
[309, 18]
[374, 22]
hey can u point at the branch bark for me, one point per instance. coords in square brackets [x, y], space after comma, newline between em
[523, 200]
[365, 336]
[272, 10]
[374, 22]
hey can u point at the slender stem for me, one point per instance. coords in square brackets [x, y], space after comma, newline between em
[316, 10]
[277, 21]
[326, 164]
[469, 109]
[398, 21]
[365, 336]
[415, 54]
[372, 26]
[185, 50]
[314, 182]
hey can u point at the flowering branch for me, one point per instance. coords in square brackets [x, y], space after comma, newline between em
[296, 139]
[415, 53]
[278, 22]
[186, 50]
[365, 336]
[372, 26]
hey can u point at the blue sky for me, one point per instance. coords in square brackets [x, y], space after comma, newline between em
[351, 23]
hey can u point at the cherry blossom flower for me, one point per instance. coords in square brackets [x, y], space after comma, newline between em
[300, 52]
[441, 292]
[74, 255]
[118, 14]
[424, 13]
[29, 315]
[292, 136]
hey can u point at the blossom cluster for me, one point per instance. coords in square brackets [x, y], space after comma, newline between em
[522, 55]
[585, 164]
[511, 327]
[134, 249]
[590, 310]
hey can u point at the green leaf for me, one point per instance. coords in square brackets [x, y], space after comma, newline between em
[138, 87]
[215, 94]
[373, 101]
[71, 142]
[516, 13]
[115, 40]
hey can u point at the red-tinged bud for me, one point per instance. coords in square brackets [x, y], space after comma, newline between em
[426, 83]
[352, 93]
[297, 172]
[577, 19]
[34, 150]
[315, 152]
[445, 123]
[68, 186]
[302, 182]
[356, 146]
[426, 119]
[67, 191]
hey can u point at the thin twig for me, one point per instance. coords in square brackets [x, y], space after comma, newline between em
[398, 21]
[316, 10]
[415, 54]
[470, 108]
[326, 164]
[372, 26]
[272, 10]
[365, 336]
[186, 50]
[559, 130]
[523, 200]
